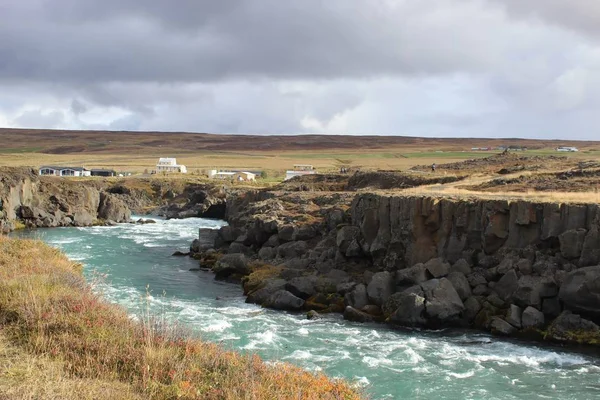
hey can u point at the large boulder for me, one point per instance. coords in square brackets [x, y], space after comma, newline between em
[409, 308]
[302, 286]
[461, 284]
[381, 287]
[442, 301]
[514, 316]
[357, 297]
[266, 290]
[437, 267]
[507, 285]
[532, 289]
[352, 314]
[284, 300]
[569, 327]
[113, 208]
[292, 250]
[83, 218]
[413, 275]
[580, 291]
[231, 264]
[499, 326]
[532, 318]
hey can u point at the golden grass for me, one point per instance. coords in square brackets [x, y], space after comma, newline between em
[51, 322]
[543, 197]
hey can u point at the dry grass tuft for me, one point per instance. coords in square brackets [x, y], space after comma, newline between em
[60, 340]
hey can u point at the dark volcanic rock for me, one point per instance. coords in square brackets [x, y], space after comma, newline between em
[352, 314]
[569, 327]
[409, 308]
[284, 300]
[231, 264]
[580, 291]
[442, 301]
[380, 288]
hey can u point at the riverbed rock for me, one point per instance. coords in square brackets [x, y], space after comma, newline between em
[501, 327]
[380, 288]
[442, 301]
[231, 264]
[580, 291]
[266, 290]
[569, 327]
[357, 297]
[303, 286]
[113, 208]
[532, 318]
[409, 309]
[284, 300]
[514, 316]
[352, 314]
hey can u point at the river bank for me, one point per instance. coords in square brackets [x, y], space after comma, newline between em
[50, 315]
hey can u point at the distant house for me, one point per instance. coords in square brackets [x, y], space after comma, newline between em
[300, 170]
[568, 149]
[103, 172]
[168, 164]
[240, 176]
[47, 170]
[244, 176]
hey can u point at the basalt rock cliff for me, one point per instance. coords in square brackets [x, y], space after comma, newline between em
[510, 267]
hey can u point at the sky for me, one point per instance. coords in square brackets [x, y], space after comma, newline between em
[435, 68]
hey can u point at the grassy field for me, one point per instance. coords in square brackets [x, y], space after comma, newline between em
[138, 152]
[59, 340]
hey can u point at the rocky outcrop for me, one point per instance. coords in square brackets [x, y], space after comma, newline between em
[507, 267]
[33, 201]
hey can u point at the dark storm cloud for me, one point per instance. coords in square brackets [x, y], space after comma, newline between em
[166, 41]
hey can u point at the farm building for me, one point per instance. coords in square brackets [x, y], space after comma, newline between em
[47, 170]
[244, 176]
[568, 149]
[168, 164]
[103, 172]
[299, 170]
[234, 175]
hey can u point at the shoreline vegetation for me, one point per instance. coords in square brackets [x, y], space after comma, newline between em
[58, 340]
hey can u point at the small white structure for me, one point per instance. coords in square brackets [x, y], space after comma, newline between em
[568, 149]
[47, 170]
[299, 170]
[241, 176]
[167, 164]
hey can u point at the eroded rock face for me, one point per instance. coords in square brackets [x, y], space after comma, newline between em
[112, 208]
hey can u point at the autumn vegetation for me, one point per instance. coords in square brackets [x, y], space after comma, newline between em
[60, 340]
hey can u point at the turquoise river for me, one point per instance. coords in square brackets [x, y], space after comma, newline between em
[125, 261]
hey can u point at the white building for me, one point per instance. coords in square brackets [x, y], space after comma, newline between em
[569, 149]
[300, 170]
[63, 171]
[241, 176]
[167, 164]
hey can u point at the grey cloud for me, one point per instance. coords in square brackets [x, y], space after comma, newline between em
[154, 40]
[578, 15]
[40, 118]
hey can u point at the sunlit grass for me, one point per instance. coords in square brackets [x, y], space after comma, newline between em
[51, 321]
